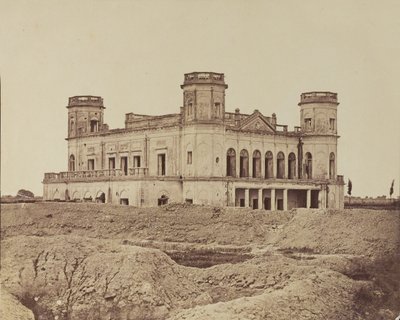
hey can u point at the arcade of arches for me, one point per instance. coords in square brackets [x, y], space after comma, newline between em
[269, 171]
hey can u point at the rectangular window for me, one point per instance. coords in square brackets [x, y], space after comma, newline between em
[136, 161]
[124, 165]
[189, 157]
[111, 163]
[91, 164]
[161, 164]
[332, 124]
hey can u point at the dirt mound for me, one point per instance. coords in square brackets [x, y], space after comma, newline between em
[191, 224]
[93, 261]
[78, 278]
[12, 309]
[322, 295]
[359, 232]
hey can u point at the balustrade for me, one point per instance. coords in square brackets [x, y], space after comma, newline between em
[93, 174]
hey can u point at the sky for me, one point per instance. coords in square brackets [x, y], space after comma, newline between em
[134, 55]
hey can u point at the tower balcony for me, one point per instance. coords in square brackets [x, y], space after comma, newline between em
[318, 97]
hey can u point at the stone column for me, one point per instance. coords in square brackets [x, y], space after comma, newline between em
[260, 199]
[285, 199]
[246, 197]
[273, 208]
[308, 198]
[320, 200]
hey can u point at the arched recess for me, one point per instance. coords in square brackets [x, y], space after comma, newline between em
[123, 198]
[244, 163]
[332, 171]
[292, 165]
[256, 164]
[280, 165]
[87, 196]
[308, 165]
[163, 198]
[75, 196]
[56, 195]
[231, 163]
[269, 168]
[100, 197]
[71, 166]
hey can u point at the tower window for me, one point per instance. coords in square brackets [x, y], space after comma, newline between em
[307, 123]
[71, 162]
[189, 157]
[332, 124]
[94, 125]
[217, 109]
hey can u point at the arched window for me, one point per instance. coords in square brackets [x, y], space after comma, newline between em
[292, 166]
[308, 166]
[269, 169]
[71, 166]
[244, 163]
[231, 163]
[332, 166]
[280, 165]
[256, 164]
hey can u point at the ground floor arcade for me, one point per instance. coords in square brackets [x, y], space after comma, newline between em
[278, 199]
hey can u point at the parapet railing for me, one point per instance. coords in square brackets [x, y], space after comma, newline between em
[85, 100]
[87, 174]
[204, 77]
[308, 97]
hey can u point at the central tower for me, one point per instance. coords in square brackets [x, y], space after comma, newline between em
[204, 97]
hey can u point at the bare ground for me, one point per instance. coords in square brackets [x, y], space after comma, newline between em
[92, 261]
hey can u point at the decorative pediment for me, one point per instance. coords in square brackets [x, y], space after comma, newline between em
[256, 122]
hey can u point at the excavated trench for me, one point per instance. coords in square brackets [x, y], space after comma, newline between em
[206, 258]
[191, 255]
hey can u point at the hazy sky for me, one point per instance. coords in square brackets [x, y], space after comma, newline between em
[134, 54]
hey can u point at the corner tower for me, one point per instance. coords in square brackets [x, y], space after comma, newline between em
[318, 112]
[85, 115]
[204, 97]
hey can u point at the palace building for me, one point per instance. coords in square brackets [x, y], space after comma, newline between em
[203, 154]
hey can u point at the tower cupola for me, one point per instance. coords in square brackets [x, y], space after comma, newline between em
[318, 112]
[204, 96]
[85, 115]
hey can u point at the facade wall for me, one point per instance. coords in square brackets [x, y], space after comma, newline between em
[184, 157]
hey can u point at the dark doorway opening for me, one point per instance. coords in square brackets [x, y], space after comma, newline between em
[101, 198]
[267, 203]
[124, 201]
[255, 203]
[280, 204]
[163, 200]
[124, 165]
[111, 163]
[241, 202]
[314, 198]
[161, 164]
